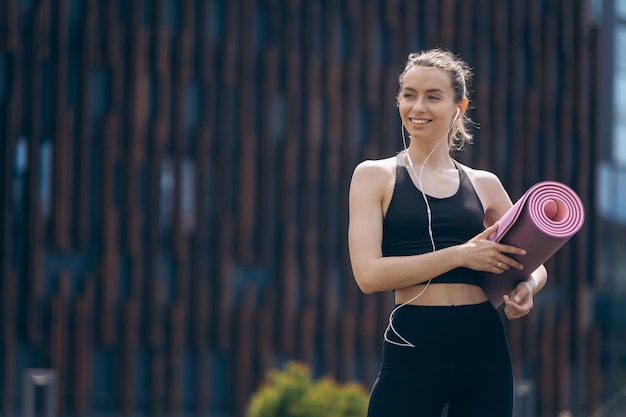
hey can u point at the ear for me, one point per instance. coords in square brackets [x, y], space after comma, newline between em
[462, 105]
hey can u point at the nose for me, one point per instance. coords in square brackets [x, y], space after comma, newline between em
[418, 105]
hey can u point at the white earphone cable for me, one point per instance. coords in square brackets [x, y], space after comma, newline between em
[406, 343]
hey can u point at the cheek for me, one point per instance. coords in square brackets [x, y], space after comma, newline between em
[404, 108]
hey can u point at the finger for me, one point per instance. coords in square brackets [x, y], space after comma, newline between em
[512, 310]
[498, 268]
[523, 293]
[505, 263]
[501, 247]
[488, 231]
[516, 310]
[513, 306]
[502, 265]
[520, 294]
[517, 313]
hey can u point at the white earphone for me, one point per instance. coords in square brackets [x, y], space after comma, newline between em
[406, 343]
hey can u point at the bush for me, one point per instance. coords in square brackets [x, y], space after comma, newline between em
[293, 393]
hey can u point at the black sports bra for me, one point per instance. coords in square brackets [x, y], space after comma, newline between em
[455, 220]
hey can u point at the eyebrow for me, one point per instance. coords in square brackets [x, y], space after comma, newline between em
[431, 90]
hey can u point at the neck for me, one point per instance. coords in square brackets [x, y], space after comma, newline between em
[433, 157]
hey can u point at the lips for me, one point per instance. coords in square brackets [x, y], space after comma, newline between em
[419, 122]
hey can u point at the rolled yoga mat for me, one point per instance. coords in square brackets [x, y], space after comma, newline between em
[540, 222]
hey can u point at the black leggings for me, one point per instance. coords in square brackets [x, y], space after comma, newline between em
[461, 358]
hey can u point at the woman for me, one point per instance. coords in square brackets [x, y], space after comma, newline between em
[419, 225]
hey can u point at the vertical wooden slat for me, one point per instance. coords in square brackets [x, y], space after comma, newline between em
[348, 331]
[244, 355]
[63, 132]
[328, 284]
[593, 394]
[563, 359]
[129, 335]
[351, 137]
[584, 183]
[135, 125]
[176, 344]
[157, 382]
[549, 149]
[109, 267]
[179, 231]
[10, 23]
[465, 35]
[83, 312]
[547, 364]
[85, 131]
[370, 336]
[310, 208]
[500, 91]
[157, 147]
[532, 104]
[8, 341]
[517, 156]
[157, 352]
[290, 179]
[266, 326]
[35, 222]
[226, 166]
[182, 220]
[202, 256]
[269, 108]
[155, 315]
[9, 115]
[248, 156]
[306, 334]
[201, 291]
[482, 90]
[448, 25]
[200, 342]
[330, 331]
[59, 332]
[431, 27]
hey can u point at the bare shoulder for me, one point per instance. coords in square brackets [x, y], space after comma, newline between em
[372, 183]
[375, 170]
[482, 178]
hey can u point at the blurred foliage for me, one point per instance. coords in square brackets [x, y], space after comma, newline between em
[292, 392]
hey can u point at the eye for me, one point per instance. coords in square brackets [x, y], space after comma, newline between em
[434, 98]
[408, 95]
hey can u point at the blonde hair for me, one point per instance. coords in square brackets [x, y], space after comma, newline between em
[460, 75]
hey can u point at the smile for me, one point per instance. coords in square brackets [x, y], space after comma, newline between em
[419, 121]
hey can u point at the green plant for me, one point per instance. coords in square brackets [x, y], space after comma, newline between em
[292, 392]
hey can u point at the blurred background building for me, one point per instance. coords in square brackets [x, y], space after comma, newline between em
[174, 178]
[610, 267]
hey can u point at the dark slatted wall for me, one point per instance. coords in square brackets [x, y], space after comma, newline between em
[174, 179]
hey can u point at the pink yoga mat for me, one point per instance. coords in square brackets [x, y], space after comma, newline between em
[540, 222]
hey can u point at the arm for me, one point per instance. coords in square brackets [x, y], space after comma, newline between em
[373, 272]
[520, 301]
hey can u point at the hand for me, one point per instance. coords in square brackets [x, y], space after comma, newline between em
[482, 254]
[520, 302]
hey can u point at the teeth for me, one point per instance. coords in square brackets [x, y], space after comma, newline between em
[419, 121]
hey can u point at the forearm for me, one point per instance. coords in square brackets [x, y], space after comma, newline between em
[395, 272]
[538, 279]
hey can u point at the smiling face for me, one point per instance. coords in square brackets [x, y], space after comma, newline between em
[427, 103]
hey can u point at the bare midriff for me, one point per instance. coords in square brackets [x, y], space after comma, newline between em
[441, 295]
